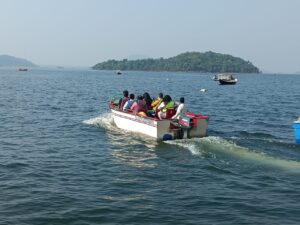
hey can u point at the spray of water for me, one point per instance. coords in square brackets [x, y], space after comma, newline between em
[104, 120]
[131, 148]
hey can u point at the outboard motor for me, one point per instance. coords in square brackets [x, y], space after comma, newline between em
[189, 126]
[186, 123]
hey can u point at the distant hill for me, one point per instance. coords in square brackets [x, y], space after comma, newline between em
[189, 61]
[10, 61]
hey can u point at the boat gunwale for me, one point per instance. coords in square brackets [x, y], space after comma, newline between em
[139, 119]
[112, 107]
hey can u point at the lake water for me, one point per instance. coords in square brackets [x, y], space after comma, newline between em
[62, 160]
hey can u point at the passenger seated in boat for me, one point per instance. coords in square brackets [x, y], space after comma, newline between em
[123, 100]
[148, 100]
[139, 106]
[129, 103]
[180, 110]
[164, 106]
[156, 102]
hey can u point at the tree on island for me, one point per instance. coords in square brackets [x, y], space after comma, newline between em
[186, 62]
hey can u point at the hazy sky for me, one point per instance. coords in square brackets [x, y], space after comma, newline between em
[84, 32]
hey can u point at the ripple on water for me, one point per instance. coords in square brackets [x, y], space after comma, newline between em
[59, 167]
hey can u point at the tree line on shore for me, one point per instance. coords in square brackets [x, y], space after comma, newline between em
[186, 62]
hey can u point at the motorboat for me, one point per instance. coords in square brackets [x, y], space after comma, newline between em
[23, 69]
[225, 78]
[225, 82]
[189, 126]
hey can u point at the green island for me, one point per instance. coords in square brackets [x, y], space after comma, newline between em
[186, 62]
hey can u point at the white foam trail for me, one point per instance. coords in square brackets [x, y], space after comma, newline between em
[118, 137]
[104, 120]
[188, 144]
[199, 146]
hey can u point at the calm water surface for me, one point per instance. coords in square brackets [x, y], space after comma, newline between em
[62, 160]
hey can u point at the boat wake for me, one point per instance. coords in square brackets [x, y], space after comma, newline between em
[105, 121]
[207, 147]
[216, 147]
[134, 149]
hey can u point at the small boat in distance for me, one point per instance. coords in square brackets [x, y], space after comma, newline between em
[118, 72]
[225, 78]
[23, 69]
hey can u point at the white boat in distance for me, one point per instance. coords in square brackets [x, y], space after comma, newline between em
[190, 126]
[225, 78]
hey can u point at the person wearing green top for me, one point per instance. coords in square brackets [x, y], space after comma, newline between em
[164, 106]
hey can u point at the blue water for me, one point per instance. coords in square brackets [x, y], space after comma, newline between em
[62, 160]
